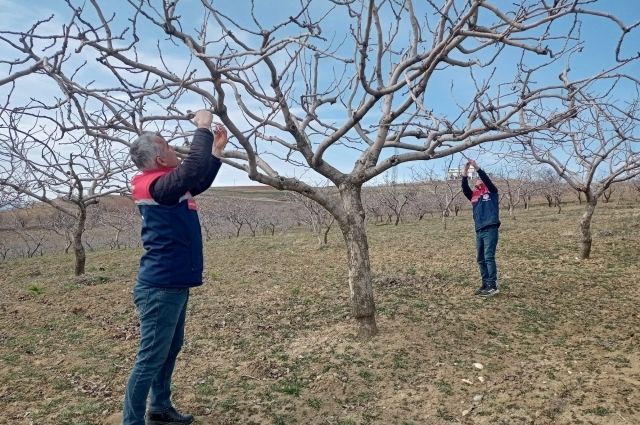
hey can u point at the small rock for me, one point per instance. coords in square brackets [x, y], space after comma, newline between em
[477, 398]
[481, 379]
[466, 381]
[478, 366]
[466, 412]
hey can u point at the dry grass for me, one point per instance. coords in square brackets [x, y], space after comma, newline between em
[269, 339]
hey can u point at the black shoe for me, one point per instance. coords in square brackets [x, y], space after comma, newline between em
[169, 417]
[481, 289]
[489, 292]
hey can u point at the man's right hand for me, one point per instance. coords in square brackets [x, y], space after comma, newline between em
[465, 171]
[203, 119]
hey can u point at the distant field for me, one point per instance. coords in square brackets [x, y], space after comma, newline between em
[249, 192]
[270, 341]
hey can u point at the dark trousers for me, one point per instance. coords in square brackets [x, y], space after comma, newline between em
[486, 244]
[162, 314]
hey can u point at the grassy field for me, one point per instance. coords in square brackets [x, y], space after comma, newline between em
[270, 341]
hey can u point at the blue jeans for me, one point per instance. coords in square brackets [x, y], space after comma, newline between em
[162, 313]
[486, 244]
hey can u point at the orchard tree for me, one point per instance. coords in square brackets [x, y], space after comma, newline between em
[51, 166]
[551, 186]
[597, 148]
[342, 90]
[394, 197]
[315, 216]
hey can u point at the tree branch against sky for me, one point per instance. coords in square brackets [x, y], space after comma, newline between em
[340, 90]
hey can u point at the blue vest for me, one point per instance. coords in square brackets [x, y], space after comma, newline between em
[171, 237]
[486, 208]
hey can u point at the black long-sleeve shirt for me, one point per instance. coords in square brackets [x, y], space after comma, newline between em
[194, 175]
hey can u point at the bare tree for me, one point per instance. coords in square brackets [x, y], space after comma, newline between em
[636, 185]
[394, 197]
[122, 218]
[425, 179]
[32, 239]
[597, 148]
[551, 186]
[606, 194]
[61, 224]
[372, 205]
[35, 161]
[445, 194]
[211, 219]
[330, 79]
[516, 181]
[315, 216]
[235, 211]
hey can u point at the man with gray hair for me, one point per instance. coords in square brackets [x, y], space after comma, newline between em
[172, 262]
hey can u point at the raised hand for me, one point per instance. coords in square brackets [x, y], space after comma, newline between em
[203, 119]
[220, 140]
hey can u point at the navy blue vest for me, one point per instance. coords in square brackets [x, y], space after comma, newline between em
[171, 237]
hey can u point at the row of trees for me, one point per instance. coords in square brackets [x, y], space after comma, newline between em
[341, 89]
[114, 223]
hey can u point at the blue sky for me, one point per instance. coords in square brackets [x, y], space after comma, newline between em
[598, 53]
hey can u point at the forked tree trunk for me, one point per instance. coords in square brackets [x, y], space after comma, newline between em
[78, 248]
[585, 227]
[353, 227]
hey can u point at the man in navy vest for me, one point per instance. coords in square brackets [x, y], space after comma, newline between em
[172, 262]
[486, 216]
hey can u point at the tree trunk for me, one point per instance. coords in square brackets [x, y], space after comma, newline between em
[326, 235]
[585, 228]
[118, 238]
[319, 237]
[353, 227]
[78, 248]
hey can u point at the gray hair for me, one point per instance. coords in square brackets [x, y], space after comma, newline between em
[144, 151]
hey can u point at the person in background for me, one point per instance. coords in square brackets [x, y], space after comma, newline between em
[172, 262]
[486, 217]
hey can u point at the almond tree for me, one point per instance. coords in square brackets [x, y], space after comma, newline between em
[597, 148]
[306, 89]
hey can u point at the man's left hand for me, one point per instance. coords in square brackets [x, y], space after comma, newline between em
[220, 140]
